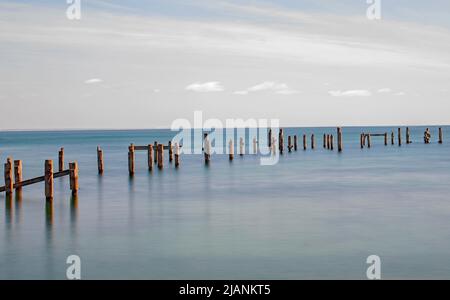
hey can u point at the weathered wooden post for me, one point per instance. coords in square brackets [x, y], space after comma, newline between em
[170, 151]
[331, 142]
[48, 179]
[160, 156]
[255, 146]
[441, 136]
[18, 173]
[73, 177]
[61, 160]
[313, 142]
[269, 138]
[408, 138]
[177, 155]
[324, 141]
[328, 142]
[274, 148]
[207, 150]
[399, 136]
[155, 148]
[295, 143]
[100, 164]
[305, 144]
[289, 143]
[231, 150]
[131, 159]
[9, 183]
[241, 146]
[361, 140]
[392, 138]
[150, 157]
[385, 138]
[339, 134]
[281, 141]
[369, 140]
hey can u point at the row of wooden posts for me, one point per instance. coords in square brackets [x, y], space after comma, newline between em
[366, 138]
[16, 182]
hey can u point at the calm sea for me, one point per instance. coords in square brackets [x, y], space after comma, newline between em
[315, 214]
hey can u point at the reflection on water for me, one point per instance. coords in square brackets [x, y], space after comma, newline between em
[18, 207]
[73, 210]
[8, 211]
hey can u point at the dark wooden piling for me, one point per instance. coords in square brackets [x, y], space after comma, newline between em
[386, 139]
[73, 177]
[392, 138]
[281, 141]
[305, 144]
[18, 173]
[131, 160]
[170, 151]
[408, 137]
[231, 150]
[269, 138]
[328, 142]
[441, 136]
[155, 154]
[289, 143]
[331, 142]
[48, 179]
[399, 136]
[100, 164]
[324, 141]
[8, 171]
[339, 135]
[369, 140]
[313, 142]
[177, 155]
[295, 143]
[361, 140]
[150, 152]
[160, 156]
[61, 160]
[207, 150]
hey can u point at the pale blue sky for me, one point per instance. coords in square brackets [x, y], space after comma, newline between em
[141, 64]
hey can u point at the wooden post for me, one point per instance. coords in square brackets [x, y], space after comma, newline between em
[61, 160]
[155, 148]
[150, 157]
[399, 136]
[392, 138]
[289, 143]
[273, 145]
[408, 139]
[369, 140]
[170, 151]
[339, 134]
[295, 143]
[177, 155]
[100, 164]
[231, 149]
[160, 156]
[207, 150]
[255, 146]
[313, 142]
[304, 142]
[331, 142]
[9, 183]
[441, 136]
[328, 141]
[324, 141]
[385, 138]
[131, 160]
[269, 138]
[18, 173]
[281, 141]
[241, 146]
[361, 140]
[73, 176]
[48, 175]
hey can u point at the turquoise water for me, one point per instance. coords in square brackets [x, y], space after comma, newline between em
[315, 214]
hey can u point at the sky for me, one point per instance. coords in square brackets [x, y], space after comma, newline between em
[144, 64]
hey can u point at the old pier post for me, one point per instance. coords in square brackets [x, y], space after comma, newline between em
[385, 138]
[392, 138]
[9, 183]
[289, 143]
[361, 140]
[150, 157]
[281, 141]
[160, 156]
[131, 159]
[441, 136]
[331, 142]
[207, 150]
[177, 155]
[339, 134]
[155, 148]
[408, 137]
[313, 142]
[231, 150]
[18, 173]
[73, 176]
[369, 140]
[399, 136]
[269, 138]
[304, 142]
[295, 143]
[324, 141]
[48, 179]
[170, 151]
[100, 164]
[61, 160]
[328, 142]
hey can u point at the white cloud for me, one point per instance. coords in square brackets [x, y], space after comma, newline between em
[93, 80]
[203, 87]
[351, 93]
[384, 90]
[276, 87]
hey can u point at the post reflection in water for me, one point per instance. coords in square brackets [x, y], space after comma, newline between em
[73, 210]
[49, 216]
[18, 213]
[8, 211]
